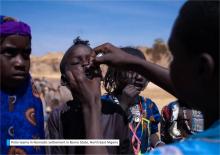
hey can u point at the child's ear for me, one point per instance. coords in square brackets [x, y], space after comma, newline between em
[206, 66]
[64, 80]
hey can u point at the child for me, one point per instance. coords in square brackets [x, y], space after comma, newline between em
[69, 121]
[123, 88]
[193, 75]
[21, 108]
[179, 122]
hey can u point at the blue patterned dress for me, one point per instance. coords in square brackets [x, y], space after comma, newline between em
[21, 118]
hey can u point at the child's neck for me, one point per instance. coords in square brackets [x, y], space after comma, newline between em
[9, 90]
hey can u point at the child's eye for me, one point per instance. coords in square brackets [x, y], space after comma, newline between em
[9, 52]
[75, 63]
[26, 53]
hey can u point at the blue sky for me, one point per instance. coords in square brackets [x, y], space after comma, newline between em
[56, 23]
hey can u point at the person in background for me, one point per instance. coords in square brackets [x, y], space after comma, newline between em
[21, 108]
[194, 72]
[124, 87]
[179, 122]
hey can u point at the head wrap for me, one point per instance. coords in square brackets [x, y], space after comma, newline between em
[11, 27]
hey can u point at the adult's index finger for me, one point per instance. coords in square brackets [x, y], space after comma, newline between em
[104, 48]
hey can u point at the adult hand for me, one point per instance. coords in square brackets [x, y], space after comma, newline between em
[111, 55]
[117, 58]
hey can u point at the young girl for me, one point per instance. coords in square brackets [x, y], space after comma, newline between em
[72, 120]
[123, 88]
[21, 108]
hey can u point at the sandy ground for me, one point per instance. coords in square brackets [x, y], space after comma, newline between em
[158, 95]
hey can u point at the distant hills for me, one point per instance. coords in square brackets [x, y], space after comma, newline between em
[47, 65]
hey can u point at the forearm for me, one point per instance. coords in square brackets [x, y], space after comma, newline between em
[92, 122]
[153, 72]
[93, 129]
[155, 140]
[124, 106]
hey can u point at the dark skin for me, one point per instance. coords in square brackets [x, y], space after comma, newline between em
[115, 57]
[200, 84]
[130, 93]
[80, 86]
[14, 62]
[133, 85]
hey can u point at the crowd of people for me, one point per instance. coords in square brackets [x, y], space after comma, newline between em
[33, 109]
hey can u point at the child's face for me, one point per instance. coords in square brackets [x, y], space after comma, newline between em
[14, 60]
[135, 79]
[79, 58]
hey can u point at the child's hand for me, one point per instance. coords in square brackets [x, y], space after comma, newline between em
[129, 94]
[112, 55]
[88, 90]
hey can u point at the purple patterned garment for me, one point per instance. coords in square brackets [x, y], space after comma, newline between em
[14, 27]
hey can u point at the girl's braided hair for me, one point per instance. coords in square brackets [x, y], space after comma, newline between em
[114, 78]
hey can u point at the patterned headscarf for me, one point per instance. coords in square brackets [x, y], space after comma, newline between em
[9, 26]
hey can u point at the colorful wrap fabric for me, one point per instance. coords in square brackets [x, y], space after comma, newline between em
[179, 122]
[151, 117]
[21, 118]
[13, 27]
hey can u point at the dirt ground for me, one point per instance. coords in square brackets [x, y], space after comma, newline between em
[158, 95]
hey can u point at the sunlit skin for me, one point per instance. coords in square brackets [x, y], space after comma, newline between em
[86, 91]
[15, 53]
[78, 59]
